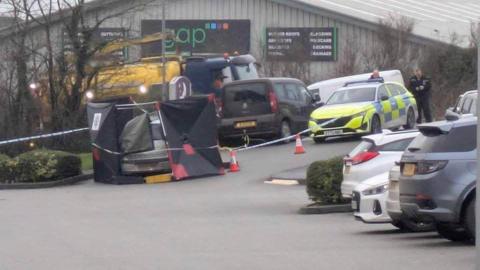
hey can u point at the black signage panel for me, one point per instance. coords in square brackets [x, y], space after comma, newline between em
[312, 44]
[105, 35]
[100, 36]
[109, 34]
[199, 36]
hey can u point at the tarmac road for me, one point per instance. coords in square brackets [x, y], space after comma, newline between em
[231, 222]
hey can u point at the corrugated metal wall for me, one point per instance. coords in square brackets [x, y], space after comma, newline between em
[261, 13]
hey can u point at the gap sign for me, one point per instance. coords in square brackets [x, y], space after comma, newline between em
[302, 44]
[199, 36]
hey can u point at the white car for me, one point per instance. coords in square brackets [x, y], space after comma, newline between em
[369, 197]
[376, 200]
[324, 89]
[376, 154]
[392, 206]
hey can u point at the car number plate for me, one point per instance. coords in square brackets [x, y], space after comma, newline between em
[246, 124]
[333, 132]
[409, 169]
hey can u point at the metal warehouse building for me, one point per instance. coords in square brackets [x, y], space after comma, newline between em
[314, 31]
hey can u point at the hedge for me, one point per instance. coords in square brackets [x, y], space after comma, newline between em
[5, 168]
[324, 179]
[41, 166]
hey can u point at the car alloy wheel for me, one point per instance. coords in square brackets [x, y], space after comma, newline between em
[285, 130]
[410, 120]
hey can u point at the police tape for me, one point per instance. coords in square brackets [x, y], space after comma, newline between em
[44, 136]
[228, 149]
[285, 139]
[187, 149]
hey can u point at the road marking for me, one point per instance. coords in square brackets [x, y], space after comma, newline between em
[282, 182]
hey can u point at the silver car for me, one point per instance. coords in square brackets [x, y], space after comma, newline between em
[466, 105]
[393, 206]
[149, 162]
[439, 174]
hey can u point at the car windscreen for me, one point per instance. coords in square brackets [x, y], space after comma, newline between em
[245, 100]
[352, 96]
[246, 72]
[460, 139]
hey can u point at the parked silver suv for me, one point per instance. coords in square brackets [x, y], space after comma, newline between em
[438, 177]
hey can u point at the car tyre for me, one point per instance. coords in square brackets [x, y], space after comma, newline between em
[398, 224]
[376, 126]
[469, 218]
[285, 131]
[410, 120]
[453, 232]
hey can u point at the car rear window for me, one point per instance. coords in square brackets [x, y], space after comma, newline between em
[245, 100]
[460, 139]
[364, 146]
[397, 146]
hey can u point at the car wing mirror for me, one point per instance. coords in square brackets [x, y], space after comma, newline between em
[316, 98]
[384, 98]
[451, 116]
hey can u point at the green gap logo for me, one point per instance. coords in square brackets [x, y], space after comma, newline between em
[195, 35]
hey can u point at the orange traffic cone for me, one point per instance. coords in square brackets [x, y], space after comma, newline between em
[233, 162]
[299, 146]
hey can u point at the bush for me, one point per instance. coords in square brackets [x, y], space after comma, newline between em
[323, 181]
[45, 165]
[5, 168]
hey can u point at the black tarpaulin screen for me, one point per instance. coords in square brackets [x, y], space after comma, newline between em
[191, 132]
[106, 124]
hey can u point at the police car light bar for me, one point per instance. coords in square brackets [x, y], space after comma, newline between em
[376, 80]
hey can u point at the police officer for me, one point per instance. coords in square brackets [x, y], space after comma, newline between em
[420, 86]
[375, 74]
[218, 84]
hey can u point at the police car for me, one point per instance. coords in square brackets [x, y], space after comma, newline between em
[364, 107]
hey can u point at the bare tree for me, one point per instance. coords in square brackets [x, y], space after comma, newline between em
[392, 48]
[21, 110]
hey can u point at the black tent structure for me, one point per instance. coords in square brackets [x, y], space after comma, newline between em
[191, 131]
[106, 123]
[188, 125]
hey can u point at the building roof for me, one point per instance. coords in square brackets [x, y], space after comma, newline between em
[434, 19]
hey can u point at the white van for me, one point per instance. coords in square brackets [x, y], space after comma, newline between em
[325, 88]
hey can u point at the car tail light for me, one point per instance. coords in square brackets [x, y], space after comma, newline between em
[363, 157]
[273, 101]
[430, 166]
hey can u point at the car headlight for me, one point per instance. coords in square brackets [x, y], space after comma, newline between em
[360, 114]
[376, 190]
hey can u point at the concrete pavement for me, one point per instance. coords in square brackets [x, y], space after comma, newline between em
[231, 222]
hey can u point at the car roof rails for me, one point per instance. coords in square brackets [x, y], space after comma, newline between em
[376, 80]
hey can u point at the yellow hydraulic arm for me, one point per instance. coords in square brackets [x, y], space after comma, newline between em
[118, 45]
